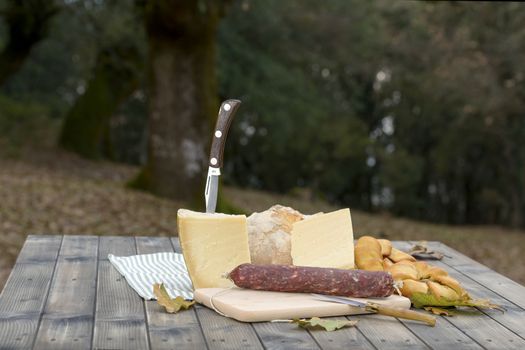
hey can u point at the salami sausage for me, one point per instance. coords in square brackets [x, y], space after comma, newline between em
[302, 279]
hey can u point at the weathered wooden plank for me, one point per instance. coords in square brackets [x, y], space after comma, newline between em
[169, 331]
[22, 302]
[67, 321]
[225, 333]
[492, 330]
[116, 245]
[25, 292]
[346, 338]
[489, 278]
[17, 332]
[387, 332]
[19, 320]
[119, 315]
[150, 245]
[26, 289]
[445, 335]
[176, 244]
[486, 332]
[39, 248]
[221, 332]
[80, 246]
[512, 319]
[284, 336]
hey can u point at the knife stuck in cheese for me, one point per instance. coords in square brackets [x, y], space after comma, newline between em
[212, 245]
[324, 240]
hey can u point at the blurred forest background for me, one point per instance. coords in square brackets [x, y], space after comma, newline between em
[399, 108]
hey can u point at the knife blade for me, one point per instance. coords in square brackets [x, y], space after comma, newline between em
[215, 162]
[340, 300]
[380, 309]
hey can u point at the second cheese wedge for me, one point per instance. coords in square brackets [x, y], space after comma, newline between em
[324, 240]
[212, 245]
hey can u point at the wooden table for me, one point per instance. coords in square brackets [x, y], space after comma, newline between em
[64, 294]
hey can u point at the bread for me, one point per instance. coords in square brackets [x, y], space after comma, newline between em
[269, 235]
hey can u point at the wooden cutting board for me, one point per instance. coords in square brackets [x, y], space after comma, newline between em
[255, 306]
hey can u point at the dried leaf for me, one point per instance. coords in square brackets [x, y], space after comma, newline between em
[420, 250]
[439, 311]
[420, 300]
[326, 324]
[429, 255]
[171, 305]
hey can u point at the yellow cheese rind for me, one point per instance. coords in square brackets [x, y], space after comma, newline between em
[324, 240]
[212, 246]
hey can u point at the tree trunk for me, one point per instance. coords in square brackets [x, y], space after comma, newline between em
[86, 126]
[182, 96]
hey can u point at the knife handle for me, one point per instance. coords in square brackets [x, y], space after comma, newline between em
[224, 120]
[401, 313]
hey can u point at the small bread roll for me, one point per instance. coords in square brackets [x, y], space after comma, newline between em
[387, 263]
[434, 272]
[397, 255]
[452, 283]
[403, 271]
[422, 269]
[386, 246]
[441, 291]
[368, 254]
[411, 286]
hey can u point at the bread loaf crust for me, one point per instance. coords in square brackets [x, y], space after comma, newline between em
[269, 235]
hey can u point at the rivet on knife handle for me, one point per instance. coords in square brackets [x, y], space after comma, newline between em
[226, 113]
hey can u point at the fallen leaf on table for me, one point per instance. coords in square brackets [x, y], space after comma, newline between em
[422, 300]
[420, 250]
[326, 324]
[439, 311]
[171, 305]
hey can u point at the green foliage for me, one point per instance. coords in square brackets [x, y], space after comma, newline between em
[22, 124]
[27, 23]
[402, 172]
[59, 68]
[459, 108]
[289, 131]
[411, 107]
[86, 127]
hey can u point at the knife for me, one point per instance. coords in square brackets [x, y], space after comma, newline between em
[224, 120]
[380, 309]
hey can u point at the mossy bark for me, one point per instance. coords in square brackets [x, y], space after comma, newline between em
[182, 96]
[86, 126]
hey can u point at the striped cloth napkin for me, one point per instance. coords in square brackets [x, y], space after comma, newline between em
[143, 271]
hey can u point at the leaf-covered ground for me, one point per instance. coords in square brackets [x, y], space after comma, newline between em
[57, 193]
[62, 194]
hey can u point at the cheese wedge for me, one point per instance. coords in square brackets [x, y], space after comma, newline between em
[324, 240]
[212, 246]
